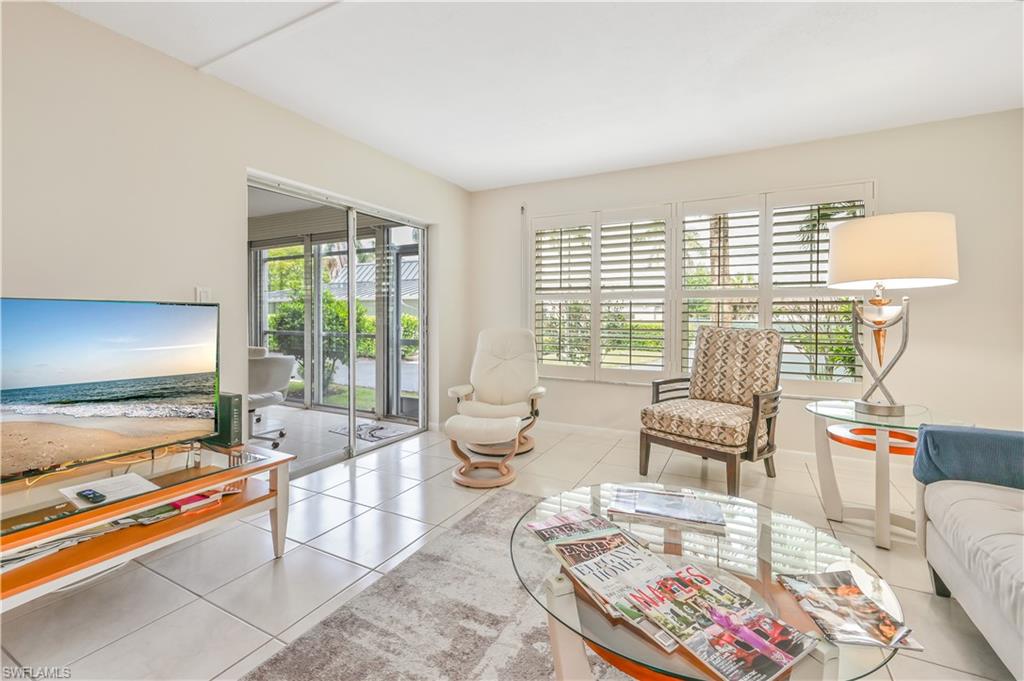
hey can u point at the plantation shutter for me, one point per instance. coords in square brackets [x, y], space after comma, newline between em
[562, 330]
[562, 249]
[800, 240]
[562, 259]
[817, 338]
[633, 334]
[633, 255]
[720, 250]
[816, 325]
[631, 330]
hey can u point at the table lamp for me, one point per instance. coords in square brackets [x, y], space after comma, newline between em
[900, 251]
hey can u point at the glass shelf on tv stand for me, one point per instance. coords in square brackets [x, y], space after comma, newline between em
[36, 499]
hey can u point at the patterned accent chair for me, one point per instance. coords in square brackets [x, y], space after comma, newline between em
[726, 409]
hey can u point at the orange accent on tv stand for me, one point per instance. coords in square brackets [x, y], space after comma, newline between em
[120, 509]
[104, 547]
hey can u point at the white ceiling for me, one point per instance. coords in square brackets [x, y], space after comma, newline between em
[489, 95]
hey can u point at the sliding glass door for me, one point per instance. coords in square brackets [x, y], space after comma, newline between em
[282, 307]
[404, 360]
[348, 301]
[330, 322]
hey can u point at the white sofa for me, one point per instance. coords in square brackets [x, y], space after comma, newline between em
[972, 534]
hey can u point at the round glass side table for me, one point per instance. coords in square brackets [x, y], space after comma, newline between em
[885, 435]
[759, 544]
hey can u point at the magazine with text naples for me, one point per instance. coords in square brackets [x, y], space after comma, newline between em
[86, 379]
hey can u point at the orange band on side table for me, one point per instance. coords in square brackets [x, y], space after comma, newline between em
[861, 437]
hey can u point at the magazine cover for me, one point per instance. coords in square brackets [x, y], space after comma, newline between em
[577, 522]
[608, 578]
[680, 507]
[722, 629]
[666, 509]
[572, 552]
[844, 613]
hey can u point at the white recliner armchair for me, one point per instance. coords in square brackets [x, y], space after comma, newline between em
[499, 405]
[269, 377]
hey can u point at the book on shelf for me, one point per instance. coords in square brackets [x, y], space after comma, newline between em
[844, 613]
[150, 516]
[197, 501]
[52, 546]
[147, 517]
[667, 509]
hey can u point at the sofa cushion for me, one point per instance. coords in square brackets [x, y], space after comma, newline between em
[480, 409]
[984, 526]
[703, 422]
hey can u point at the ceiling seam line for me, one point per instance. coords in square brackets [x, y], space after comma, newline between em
[263, 36]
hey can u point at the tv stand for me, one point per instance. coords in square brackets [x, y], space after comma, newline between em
[34, 512]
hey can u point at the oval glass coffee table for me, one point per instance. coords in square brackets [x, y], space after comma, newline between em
[758, 545]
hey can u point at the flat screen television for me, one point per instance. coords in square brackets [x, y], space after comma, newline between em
[82, 380]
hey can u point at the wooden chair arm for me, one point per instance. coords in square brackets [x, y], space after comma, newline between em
[669, 389]
[765, 407]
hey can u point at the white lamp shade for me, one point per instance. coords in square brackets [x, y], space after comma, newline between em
[900, 250]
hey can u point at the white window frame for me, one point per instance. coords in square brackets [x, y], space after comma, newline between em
[851, 191]
[616, 375]
[742, 202]
[585, 373]
[674, 294]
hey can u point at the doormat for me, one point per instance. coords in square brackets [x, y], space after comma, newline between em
[371, 432]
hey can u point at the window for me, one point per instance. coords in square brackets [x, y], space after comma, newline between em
[720, 250]
[633, 334]
[633, 256]
[620, 295]
[816, 325]
[817, 338]
[562, 256]
[562, 328]
[631, 305]
[800, 241]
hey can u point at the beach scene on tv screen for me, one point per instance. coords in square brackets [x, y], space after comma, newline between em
[81, 380]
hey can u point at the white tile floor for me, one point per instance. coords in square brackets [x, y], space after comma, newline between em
[354, 521]
[308, 434]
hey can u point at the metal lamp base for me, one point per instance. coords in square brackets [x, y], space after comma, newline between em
[875, 409]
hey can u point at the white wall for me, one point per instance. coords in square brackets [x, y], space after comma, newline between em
[965, 353]
[124, 176]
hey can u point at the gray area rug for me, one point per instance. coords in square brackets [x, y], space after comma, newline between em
[453, 610]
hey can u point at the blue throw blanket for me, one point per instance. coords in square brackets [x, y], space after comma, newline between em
[973, 454]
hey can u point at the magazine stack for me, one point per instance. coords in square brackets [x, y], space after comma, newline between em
[845, 614]
[667, 509]
[684, 610]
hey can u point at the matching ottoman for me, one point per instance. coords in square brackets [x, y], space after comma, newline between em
[484, 431]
